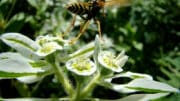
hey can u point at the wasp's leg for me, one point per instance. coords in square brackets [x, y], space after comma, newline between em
[99, 28]
[84, 18]
[70, 26]
[81, 32]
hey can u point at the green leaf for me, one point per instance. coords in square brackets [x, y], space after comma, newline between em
[33, 3]
[16, 23]
[174, 76]
[14, 75]
[22, 44]
[39, 64]
[174, 61]
[40, 5]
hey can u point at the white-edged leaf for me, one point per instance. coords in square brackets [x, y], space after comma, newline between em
[22, 44]
[29, 79]
[85, 50]
[140, 82]
[122, 88]
[130, 75]
[14, 64]
[35, 99]
[147, 85]
[141, 97]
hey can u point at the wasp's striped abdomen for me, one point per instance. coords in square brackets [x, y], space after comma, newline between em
[80, 8]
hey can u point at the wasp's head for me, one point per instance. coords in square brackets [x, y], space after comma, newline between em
[69, 7]
[99, 3]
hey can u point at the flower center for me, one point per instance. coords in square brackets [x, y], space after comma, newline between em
[110, 61]
[82, 65]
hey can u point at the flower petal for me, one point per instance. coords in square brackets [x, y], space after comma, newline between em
[81, 66]
[109, 61]
[48, 48]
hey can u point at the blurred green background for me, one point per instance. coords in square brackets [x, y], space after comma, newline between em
[149, 31]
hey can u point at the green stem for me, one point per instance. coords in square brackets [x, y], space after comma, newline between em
[76, 96]
[62, 78]
[91, 85]
[10, 11]
[42, 75]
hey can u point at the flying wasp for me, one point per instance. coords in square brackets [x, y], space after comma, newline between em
[88, 11]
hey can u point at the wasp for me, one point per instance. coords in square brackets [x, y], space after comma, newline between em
[88, 11]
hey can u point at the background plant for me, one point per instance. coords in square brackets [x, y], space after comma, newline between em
[146, 25]
[79, 72]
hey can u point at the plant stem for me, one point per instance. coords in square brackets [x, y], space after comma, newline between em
[62, 78]
[76, 96]
[10, 10]
[91, 85]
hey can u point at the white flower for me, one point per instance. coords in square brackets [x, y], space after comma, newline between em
[81, 66]
[48, 48]
[46, 39]
[49, 44]
[109, 61]
[43, 39]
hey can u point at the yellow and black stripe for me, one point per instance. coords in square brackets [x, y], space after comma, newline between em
[79, 8]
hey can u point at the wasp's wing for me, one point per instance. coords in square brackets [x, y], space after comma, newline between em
[118, 3]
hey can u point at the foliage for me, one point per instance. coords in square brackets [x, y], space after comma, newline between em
[169, 64]
[157, 21]
[147, 30]
[34, 60]
[157, 26]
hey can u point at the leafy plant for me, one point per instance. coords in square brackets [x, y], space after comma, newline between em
[88, 67]
[169, 64]
[148, 31]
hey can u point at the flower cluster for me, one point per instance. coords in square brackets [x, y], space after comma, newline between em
[110, 61]
[49, 44]
[47, 55]
[83, 65]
